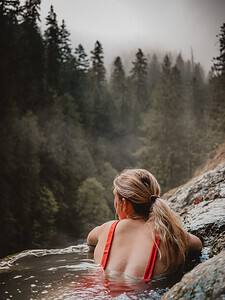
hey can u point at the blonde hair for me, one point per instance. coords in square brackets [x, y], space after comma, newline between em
[142, 189]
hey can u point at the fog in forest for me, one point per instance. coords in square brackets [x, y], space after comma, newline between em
[122, 26]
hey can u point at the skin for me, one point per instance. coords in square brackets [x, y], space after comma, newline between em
[138, 248]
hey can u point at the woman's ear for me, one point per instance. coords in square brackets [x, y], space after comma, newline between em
[124, 204]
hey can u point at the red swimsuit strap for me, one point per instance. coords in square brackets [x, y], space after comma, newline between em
[151, 262]
[108, 244]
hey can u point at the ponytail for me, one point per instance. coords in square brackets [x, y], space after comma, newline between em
[168, 227]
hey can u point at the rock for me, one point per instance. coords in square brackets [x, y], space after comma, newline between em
[206, 187]
[204, 282]
[207, 220]
[201, 203]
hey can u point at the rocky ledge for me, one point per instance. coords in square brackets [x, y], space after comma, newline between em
[204, 282]
[201, 204]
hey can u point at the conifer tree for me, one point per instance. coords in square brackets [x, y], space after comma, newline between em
[219, 61]
[64, 43]
[11, 9]
[31, 51]
[153, 73]
[66, 61]
[139, 81]
[119, 92]
[31, 12]
[101, 121]
[217, 93]
[98, 71]
[180, 65]
[52, 46]
[80, 89]
[81, 59]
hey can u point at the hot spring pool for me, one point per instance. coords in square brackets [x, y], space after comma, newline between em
[66, 274]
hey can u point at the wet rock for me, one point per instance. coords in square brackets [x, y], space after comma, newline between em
[206, 281]
[201, 204]
[206, 187]
[207, 220]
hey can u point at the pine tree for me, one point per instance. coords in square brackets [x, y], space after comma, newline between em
[52, 46]
[81, 60]
[66, 81]
[153, 74]
[180, 65]
[217, 93]
[80, 87]
[198, 94]
[31, 12]
[119, 92]
[31, 62]
[219, 61]
[11, 9]
[101, 120]
[64, 43]
[139, 80]
[98, 71]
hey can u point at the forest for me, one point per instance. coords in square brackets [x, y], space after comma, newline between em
[68, 127]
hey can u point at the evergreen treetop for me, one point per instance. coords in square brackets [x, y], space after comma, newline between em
[64, 43]
[219, 61]
[98, 68]
[81, 59]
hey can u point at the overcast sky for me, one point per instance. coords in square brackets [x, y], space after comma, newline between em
[122, 26]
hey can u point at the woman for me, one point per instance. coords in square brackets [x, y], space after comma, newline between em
[148, 239]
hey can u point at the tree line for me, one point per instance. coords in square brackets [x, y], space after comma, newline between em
[67, 128]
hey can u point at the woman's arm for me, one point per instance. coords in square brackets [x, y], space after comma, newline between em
[194, 242]
[93, 236]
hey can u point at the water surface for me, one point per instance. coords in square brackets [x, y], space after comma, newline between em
[67, 274]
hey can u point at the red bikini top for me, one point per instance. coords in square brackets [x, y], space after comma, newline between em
[152, 258]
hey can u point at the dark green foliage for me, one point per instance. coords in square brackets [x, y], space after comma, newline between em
[91, 207]
[164, 129]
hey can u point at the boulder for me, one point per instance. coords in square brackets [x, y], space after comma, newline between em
[206, 187]
[204, 282]
[201, 204]
[207, 220]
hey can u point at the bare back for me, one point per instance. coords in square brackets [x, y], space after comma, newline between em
[131, 247]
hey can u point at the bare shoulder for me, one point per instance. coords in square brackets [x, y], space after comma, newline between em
[94, 234]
